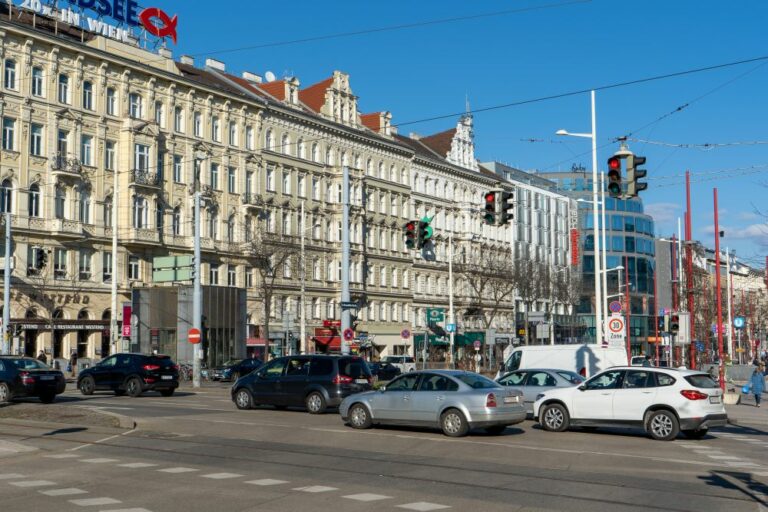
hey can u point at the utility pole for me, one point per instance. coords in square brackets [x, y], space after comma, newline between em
[629, 309]
[596, 219]
[302, 269]
[603, 259]
[451, 317]
[114, 331]
[6, 347]
[729, 300]
[719, 319]
[197, 292]
[689, 268]
[346, 315]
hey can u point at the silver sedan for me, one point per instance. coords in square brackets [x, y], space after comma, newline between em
[454, 401]
[535, 381]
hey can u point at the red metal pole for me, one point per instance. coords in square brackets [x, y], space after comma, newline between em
[675, 301]
[719, 285]
[656, 310]
[629, 308]
[689, 267]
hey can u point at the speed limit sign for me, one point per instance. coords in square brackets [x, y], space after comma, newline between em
[615, 333]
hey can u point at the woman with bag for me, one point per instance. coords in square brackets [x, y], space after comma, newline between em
[757, 384]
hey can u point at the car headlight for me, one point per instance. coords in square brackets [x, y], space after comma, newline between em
[539, 396]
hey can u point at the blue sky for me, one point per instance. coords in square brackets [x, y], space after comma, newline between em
[428, 71]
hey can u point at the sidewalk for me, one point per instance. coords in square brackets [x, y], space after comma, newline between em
[745, 414]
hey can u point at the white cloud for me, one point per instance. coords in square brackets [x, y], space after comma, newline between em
[664, 212]
[756, 233]
[749, 216]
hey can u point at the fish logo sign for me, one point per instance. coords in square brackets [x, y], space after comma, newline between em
[152, 15]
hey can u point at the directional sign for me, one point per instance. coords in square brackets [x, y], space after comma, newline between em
[615, 307]
[614, 333]
[405, 334]
[194, 336]
[738, 322]
[349, 334]
[349, 305]
[435, 315]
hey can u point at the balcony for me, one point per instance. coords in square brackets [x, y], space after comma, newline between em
[63, 165]
[143, 236]
[144, 178]
[66, 227]
[253, 200]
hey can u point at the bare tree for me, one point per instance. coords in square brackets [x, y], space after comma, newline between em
[530, 280]
[568, 291]
[489, 274]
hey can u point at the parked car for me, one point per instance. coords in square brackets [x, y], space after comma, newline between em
[24, 377]
[132, 374]
[405, 363]
[663, 402]
[536, 381]
[586, 360]
[454, 401]
[313, 381]
[235, 368]
[384, 371]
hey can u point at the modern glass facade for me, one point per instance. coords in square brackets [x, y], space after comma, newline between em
[629, 239]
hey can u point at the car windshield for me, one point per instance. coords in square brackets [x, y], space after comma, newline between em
[701, 381]
[573, 378]
[231, 362]
[30, 364]
[476, 381]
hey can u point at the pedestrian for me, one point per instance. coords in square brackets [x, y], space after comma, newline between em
[647, 362]
[73, 363]
[757, 384]
[42, 357]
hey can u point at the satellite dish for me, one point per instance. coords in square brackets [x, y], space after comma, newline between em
[269, 76]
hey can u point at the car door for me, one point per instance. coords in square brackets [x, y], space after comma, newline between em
[537, 382]
[264, 386]
[394, 403]
[102, 372]
[292, 386]
[125, 365]
[593, 400]
[429, 398]
[637, 393]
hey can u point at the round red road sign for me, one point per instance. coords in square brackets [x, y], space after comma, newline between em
[349, 334]
[194, 336]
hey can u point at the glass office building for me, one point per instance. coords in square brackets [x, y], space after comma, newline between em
[630, 244]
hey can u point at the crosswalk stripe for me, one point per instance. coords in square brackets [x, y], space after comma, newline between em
[89, 502]
[221, 476]
[33, 483]
[70, 491]
[267, 481]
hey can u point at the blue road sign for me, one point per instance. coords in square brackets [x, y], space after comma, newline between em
[738, 322]
[450, 328]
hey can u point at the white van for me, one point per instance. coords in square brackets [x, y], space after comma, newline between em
[585, 360]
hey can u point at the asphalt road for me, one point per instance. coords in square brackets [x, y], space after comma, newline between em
[196, 452]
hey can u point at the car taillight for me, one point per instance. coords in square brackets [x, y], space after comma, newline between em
[176, 367]
[490, 400]
[26, 378]
[342, 379]
[692, 394]
[151, 367]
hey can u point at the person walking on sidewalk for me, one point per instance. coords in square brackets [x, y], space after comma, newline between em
[73, 363]
[42, 357]
[757, 383]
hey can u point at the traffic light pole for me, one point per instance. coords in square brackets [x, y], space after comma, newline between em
[451, 318]
[6, 347]
[719, 319]
[346, 316]
[197, 293]
[114, 331]
[729, 301]
[596, 231]
[689, 267]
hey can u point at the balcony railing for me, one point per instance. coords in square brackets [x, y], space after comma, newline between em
[63, 163]
[144, 177]
[251, 199]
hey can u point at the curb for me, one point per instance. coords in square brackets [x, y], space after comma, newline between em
[125, 422]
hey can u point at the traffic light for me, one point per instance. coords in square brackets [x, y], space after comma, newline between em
[410, 234]
[614, 176]
[507, 208]
[633, 174]
[674, 323]
[491, 207]
[425, 233]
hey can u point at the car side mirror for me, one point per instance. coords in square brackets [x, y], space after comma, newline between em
[583, 387]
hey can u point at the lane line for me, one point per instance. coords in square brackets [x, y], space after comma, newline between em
[221, 476]
[69, 491]
[62, 456]
[316, 489]
[90, 502]
[136, 465]
[423, 506]
[99, 460]
[127, 510]
[33, 483]
[178, 470]
[267, 481]
[367, 497]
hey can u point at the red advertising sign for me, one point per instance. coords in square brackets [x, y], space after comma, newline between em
[331, 323]
[127, 313]
[574, 247]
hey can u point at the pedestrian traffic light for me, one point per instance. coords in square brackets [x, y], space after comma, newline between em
[491, 205]
[674, 323]
[633, 174]
[410, 234]
[614, 176]
[507, 208]
[425, 233]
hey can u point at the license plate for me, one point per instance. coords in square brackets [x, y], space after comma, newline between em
[47, 377]
[167, 377]
[714, 399]
[511, 399]
[361, 381]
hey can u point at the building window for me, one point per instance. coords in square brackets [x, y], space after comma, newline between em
[213, 274]
[62, 143]
[269, 140]
[34, 200]
[135, 106]
[160, 114]
[302, 185]
[109, 155]
[231, 229]
[315, 189]
[87, 95]
[285, 144]
[86, 150]
[213, 225]
[198, 124]
[178, 120]
[177, 169]
[60, 257]
[215, 130]
[231, 275]
[249, 137]
[287, 269]
[248, 277]
[233, 133]
[9, 134]
[106, 267]
[6, 196]
[270, 180]
[159, 216]
[141, 157]
[214, 175]
[64, 89]
[59, 203]
[133, 268]
[111, 102]
[37, 82]
[286, 224]
[286, 182]
[108, 211]
[139, 212]
[85, 265]
[176, 221]
[231, 180]
[9, 75]
[36, 140]
[84, 207]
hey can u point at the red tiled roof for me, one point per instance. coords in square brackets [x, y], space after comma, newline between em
[372, 121]
[440, 143]
[250, 86]
[276, 89]
[314, 95]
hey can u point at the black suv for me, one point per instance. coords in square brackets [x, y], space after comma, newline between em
[132, 374]
[313, 381]
[24, 376]
[232, 370]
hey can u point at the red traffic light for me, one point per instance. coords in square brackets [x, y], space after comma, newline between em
[490, 197]
[614, 163]
[411, 226]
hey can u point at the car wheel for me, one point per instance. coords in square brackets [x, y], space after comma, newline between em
[496, 429]
[662, 425]
[695, 434]
[555, 418]
[48, 398]
[167, 392]
[315, 403]
[453, 423]
[5, 393]
[358, 417]
[87, 385]
[243, 399]
[133, 387]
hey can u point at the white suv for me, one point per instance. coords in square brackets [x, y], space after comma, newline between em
[405, 363]
[664, 402]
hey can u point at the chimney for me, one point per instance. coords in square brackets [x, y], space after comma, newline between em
[215, 64]
[165, 52]
[414, 136]
[252, 77]
[186, 59]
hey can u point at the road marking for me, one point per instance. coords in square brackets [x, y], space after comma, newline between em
[316, 488]
[90, 502]
[367, 497]
[267, 481]
[743, 464]
[136, 465]
[221, 476]
[62, 456]
[70, 491]
[178, 470]
[33, 483]
[422, 506]
[98, 461]
[8, 446]
[11, 476]
[127, 510]
[97, 442]
[762, 473]
[723, 457]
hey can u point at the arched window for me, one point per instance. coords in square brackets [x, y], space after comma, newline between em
[176, 221]
[285, 144]
[315, 152]
[381, 170]
[34, 200]
[6, 196]
[269, 140]
[369, 167]
[302, 149]
[329, 156]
